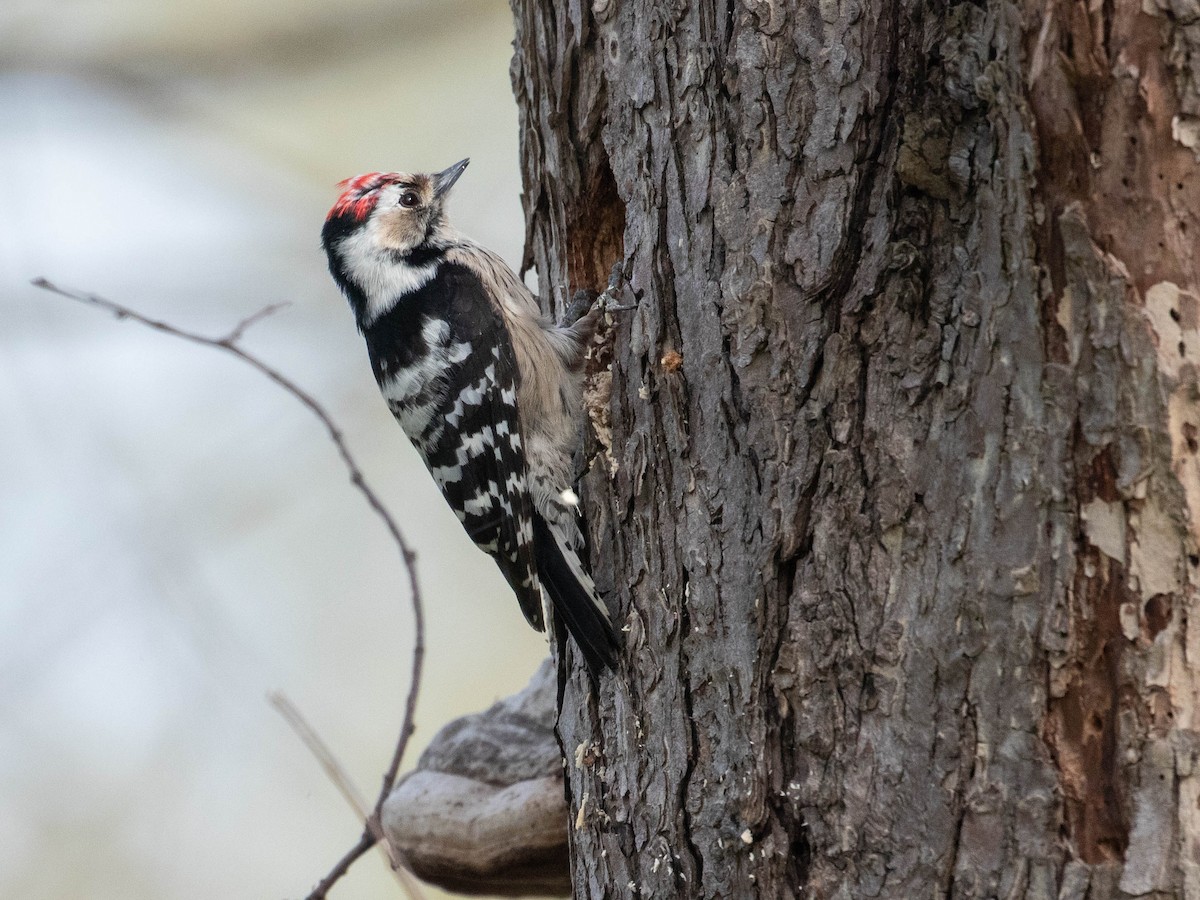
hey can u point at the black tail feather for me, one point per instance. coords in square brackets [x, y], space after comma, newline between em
[573, 604]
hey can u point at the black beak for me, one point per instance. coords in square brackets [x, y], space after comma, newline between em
[444, 180]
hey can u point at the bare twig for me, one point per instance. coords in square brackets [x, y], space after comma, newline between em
[342, 866]
[348, 789]
[338, 775]
[234, 336]
[229, 345]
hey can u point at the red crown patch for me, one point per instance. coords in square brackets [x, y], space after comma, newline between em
[360, 194]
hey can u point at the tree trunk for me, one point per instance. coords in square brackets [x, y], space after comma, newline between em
[895, 490]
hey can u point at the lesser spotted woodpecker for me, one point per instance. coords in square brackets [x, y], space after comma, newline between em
[487, 390]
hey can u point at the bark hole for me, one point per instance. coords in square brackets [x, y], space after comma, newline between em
[595, 231]
[1158, 614]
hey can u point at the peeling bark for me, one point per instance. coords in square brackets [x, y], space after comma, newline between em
[894, 483]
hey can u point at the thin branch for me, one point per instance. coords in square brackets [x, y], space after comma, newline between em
[337, 774]
[365, 843]
[348, 789]
[229, 345]
[234, 336]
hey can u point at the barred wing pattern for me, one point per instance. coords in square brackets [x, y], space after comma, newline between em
[456, 399]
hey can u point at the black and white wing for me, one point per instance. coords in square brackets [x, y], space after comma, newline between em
[473, 446]
[455, 392]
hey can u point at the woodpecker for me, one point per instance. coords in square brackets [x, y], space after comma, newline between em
[488, 391]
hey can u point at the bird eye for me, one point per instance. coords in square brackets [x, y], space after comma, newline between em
[410, 199]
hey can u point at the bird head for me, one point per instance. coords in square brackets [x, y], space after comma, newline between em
[401, 211]
[384, 224]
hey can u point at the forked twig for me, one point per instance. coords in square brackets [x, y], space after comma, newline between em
[229, 345]
[252, 319]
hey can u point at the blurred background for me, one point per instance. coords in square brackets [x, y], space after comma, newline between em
[179, 537]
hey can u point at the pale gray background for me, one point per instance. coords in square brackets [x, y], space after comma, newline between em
[178, 535]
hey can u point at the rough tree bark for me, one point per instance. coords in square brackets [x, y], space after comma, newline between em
[896, 488]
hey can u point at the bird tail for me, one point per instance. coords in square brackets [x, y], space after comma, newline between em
[573, 597]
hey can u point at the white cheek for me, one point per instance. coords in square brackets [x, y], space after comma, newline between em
[382, 278]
